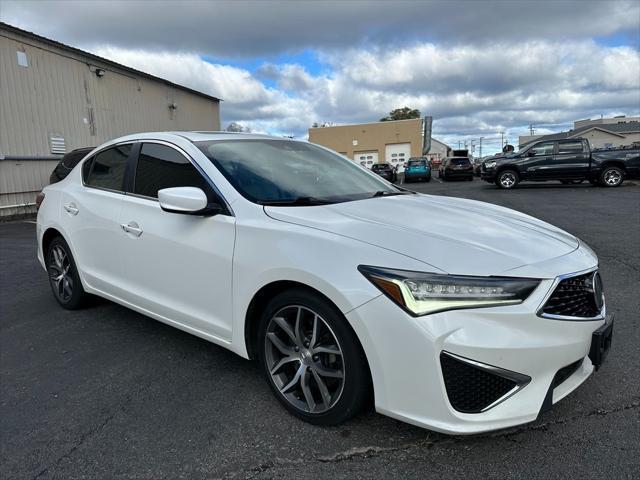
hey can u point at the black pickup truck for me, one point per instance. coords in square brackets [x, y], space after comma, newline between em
[570, 161]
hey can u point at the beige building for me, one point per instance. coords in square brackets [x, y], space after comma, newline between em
[368, 143]
[601, 133]
[55, 98]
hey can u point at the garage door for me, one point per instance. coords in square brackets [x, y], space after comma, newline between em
[365, 158]
[397, 154]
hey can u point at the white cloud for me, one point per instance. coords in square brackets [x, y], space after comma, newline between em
[470, 90]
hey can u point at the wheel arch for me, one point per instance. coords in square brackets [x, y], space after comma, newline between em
[509, 166]
[47, 237]
[613, 163]
[259, 302]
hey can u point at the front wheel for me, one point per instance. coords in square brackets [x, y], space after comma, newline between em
[507, 179]
[312, 359]
[612, 177]
[63, 275]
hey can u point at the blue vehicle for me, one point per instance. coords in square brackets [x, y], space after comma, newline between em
[418, 168]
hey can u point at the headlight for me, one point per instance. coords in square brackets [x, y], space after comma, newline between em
[489, 164]
[424, 293]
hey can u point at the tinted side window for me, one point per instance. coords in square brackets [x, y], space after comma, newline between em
[108, 168]
[161, 167]
[543, 149]
[570, 147]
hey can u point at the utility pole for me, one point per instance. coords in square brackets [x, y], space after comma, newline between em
[459, 144]
[481, 138]
[532, 130]
[501, 139]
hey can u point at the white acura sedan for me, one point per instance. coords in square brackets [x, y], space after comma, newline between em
[451, 314]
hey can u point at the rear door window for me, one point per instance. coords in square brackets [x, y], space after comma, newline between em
[160, 166]
[108, 167]
[573, 147]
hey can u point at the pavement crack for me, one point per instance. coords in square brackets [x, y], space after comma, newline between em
[93, 431]
[357, 453]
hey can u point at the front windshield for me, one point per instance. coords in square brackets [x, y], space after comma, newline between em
[282, 171]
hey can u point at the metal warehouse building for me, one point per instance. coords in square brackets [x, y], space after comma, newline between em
[55, 98]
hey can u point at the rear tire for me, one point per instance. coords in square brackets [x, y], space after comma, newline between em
[63, 275]
[612, 177]
[312, 359]
[507, 179]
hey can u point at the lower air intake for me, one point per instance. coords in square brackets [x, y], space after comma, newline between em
[473, 387]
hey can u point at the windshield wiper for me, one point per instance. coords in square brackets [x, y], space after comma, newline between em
[386, 193]
[295, 201]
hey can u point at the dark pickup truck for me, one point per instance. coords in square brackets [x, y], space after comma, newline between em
[570, 161]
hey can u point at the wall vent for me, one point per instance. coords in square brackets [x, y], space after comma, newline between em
[57, 144]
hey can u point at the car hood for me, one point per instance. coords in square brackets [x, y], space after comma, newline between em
[453, 235]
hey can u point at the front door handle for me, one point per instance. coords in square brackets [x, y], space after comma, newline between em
[71, 208]
[133, 228]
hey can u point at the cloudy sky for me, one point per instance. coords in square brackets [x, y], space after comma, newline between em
[477, 67]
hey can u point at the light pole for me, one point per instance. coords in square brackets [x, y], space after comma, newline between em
[481, 138]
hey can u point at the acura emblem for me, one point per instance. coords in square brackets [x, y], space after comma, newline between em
[598, 292]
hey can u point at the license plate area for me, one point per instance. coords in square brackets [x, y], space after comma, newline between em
[601, 342]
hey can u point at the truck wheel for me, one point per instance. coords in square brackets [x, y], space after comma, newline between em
[612, 177]
[507, 179]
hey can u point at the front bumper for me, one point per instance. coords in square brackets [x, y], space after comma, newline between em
[488, 175]
[404, 355]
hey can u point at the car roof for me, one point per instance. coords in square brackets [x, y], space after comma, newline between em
[197, 136]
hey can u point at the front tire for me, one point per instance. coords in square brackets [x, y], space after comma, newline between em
[63, 275]
[507, 179]
[312, 359]
[612, 177]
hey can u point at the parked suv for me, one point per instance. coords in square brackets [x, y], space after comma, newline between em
[565, 160]
[385, 170]
[456, 167]
[418, 168]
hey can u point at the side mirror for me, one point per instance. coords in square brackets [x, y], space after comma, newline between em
[186, 200]
[531, 153]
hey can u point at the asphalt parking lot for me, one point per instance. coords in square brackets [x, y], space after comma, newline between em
[107, 393]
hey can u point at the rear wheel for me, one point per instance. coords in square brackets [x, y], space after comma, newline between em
[612, 177]
[507, 179]
[312, 359]
[63, 275]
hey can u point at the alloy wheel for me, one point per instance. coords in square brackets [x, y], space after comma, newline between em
[304, 359]
[507, 179]
[59, 273]
[612, 177]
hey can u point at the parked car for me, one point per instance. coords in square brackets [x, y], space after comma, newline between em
[456, 315]
[455, 167]
[386, 171]
[565, 160]
[418, 168]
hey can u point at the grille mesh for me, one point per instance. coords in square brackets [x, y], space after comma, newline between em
[471, 389]
[573, 297]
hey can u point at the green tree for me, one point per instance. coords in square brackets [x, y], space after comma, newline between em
[404, 113]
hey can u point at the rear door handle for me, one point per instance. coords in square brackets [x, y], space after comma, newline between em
[71, 208]
[132, 228]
